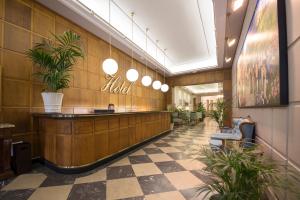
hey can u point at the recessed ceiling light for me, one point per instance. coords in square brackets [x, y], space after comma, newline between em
[231, 42]
[227, 60]
[237, 4]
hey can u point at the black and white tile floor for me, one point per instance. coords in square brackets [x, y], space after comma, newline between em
[162, 170]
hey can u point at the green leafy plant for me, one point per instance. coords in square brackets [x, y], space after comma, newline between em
[219, 113]
[55, 59]
[240, 173]
[170, 108]
[201, 109]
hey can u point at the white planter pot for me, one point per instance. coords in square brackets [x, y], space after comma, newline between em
[171, 126]
[52, 101]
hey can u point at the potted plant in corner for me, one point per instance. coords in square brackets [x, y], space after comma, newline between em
[171, 109]
[201, 109]
[55, 60]
[244, 173]
[219, 113]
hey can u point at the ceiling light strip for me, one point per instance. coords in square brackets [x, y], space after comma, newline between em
[139, 27]
[202, 25]
[114, 30]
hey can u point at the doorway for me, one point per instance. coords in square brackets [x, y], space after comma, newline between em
[190, 96]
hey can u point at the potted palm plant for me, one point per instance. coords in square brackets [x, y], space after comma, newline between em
[55, 60]
[201, 109]
[171, 109]
[219, 112]
[240, 173]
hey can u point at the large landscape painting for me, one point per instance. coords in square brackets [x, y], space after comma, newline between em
[261, 61]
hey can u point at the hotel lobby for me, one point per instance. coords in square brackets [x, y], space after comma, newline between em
[149, 100]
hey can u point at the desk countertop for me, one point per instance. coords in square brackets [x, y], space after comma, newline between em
[84, 115]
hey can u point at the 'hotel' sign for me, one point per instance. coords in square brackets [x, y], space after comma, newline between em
[115, 84]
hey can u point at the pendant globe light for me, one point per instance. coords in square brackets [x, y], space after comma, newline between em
[132, 74]
[146, 80]
[156, 84]
[164, 87]
[109, 65]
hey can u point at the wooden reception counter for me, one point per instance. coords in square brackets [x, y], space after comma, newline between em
[80, 141]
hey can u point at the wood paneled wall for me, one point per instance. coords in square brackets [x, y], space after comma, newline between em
[81, 141]
[211, 76]
[25, 22]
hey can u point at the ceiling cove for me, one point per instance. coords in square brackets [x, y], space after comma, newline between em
[187, 29]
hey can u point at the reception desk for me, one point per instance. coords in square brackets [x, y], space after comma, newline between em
[74, 141]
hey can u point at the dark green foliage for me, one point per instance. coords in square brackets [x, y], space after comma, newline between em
[56, 59]
[201, 109]
[242, 174]
[219, 113]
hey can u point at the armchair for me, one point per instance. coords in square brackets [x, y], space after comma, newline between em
[176, 118]
[199, 116]
[193, 118]
[243, 131]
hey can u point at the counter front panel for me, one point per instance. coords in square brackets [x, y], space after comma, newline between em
[83, 140]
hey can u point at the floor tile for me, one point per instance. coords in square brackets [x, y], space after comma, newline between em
[150, 146]
[139, 159]
[152, 150]
[26, 181]
[185, 149]
[56, 179]
[196, 147]
[178, 156]
[169, 149]
[169, 166]
[204, 177]
[16, 194]
[88, 191]
[190, 194]
[168, 140]
[145, 169]
[160, 157]
[191, 164]
[175, 195]
[119, 172]
[162, 144]
[138, 153]
[123, 188]
[176, 144]
[183, 180]
[155, 184]
[182, 140]
[123, 161]
[51, 193]
[95, 177]
[193, 194]
[201, 141]
[134, 198]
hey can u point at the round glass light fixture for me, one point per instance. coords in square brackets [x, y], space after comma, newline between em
[164, 88]
[156, 85]
[110, 66]
[146, 81]
[132, 75]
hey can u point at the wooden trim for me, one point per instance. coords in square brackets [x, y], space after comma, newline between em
[101, 162]
[79, 142]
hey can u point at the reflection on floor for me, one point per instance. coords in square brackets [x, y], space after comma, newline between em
[164, 169]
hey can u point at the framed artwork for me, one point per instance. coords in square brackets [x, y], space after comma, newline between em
[262, 67]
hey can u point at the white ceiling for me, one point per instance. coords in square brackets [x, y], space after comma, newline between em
[185, 28]
[193, 31]
[205, 88]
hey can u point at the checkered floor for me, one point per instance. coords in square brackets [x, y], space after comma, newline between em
[164, 169]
